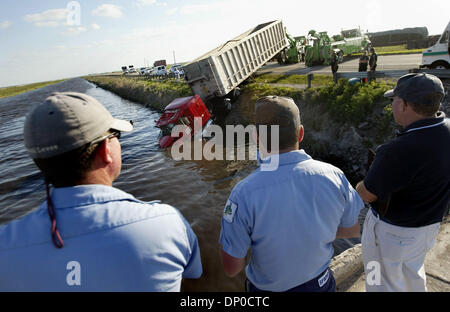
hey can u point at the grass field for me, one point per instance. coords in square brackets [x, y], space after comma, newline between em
[398, 49]
[15, 90]
[294, 79]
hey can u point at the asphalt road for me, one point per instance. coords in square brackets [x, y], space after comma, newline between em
[385, 62]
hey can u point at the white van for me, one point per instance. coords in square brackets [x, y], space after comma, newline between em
[159, 70]
[437, 56]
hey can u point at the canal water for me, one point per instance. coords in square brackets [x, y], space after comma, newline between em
[199, 189]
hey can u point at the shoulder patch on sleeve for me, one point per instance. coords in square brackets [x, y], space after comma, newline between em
[229, 211]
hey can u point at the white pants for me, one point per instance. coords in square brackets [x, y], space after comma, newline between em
[394, 256]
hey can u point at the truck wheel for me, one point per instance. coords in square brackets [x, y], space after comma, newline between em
[440, 65]
[282, 57]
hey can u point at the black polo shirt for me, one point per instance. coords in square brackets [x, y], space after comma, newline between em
[412, 174]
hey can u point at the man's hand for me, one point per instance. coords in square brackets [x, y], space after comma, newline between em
[366, 196]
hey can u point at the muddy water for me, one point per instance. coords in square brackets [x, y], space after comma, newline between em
[199, 189]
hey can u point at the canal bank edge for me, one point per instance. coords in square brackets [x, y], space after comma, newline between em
[348, 267]
[11, 91]
[154, 94]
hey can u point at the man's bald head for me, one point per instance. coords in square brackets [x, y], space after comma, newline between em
[281, 111]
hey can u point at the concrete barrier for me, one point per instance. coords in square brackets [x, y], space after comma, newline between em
[346, 265]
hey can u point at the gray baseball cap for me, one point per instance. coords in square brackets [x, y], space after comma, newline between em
[414, 87]
[66, 121]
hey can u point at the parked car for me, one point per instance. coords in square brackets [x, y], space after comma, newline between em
[142, 70]
[177, 69]
[124, 70]
[131, 69]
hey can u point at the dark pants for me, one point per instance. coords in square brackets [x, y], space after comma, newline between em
[326, 279]
[334, 67]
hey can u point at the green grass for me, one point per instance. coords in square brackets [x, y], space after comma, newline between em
[294, 79]
[15, 90]
[344, 102]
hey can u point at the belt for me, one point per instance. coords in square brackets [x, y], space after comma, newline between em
[323, 282]
[377, 215]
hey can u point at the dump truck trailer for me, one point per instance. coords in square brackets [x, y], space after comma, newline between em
[221, 70]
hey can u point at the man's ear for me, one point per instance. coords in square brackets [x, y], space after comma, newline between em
[301, 133]
[405, 106]
[104, 152]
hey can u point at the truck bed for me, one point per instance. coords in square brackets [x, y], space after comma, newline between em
[219, 71]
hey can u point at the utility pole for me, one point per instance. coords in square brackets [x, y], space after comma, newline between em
[174, 62]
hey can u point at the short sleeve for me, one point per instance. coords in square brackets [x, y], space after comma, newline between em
[352, 204]
[390, 172]
[193, 268]
[235, 234]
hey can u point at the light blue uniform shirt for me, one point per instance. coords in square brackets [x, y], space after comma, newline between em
[289, 218]
[119, 243]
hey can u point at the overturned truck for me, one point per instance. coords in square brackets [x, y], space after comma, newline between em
[215, 76]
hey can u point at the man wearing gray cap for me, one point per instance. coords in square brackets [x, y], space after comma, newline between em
[88, 235]
[408, 186]
[290, 216]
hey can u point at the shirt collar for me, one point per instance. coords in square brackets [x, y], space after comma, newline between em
[424, 123]
[80, 195]
[288, 158]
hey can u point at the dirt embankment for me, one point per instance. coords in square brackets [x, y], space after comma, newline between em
[151, 94]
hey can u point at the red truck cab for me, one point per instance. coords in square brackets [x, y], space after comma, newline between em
[181, 111]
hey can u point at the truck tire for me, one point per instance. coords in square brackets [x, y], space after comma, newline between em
[282, 57]
[440, 65]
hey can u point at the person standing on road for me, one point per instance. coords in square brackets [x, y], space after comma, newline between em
[373, 62]
[88, 235]
[288, 217]
[408, 186]
[363, 62]
[334, 62]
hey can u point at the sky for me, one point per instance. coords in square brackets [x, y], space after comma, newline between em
[54, 39]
